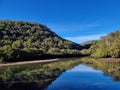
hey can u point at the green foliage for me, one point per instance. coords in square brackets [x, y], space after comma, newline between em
[107, 46]
[85, 52]
[86, 45]
[32, 39]
[54, 51]
[100, 53]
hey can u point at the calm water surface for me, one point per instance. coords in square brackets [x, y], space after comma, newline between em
[74, 74]
[83, 77]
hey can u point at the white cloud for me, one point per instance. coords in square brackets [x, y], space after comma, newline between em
[80, 39]
[73, 26]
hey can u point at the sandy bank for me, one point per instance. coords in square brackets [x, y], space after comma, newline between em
[29, 62]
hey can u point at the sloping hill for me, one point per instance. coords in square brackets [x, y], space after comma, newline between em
[86, 45]
[107, 46]
[28, 40]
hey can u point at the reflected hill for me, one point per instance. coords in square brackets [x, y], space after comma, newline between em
[111, 69]
[37, 76]
[40, 76]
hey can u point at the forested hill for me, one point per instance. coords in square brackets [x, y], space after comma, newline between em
[87, 44]
[107, 46]
[29, 40]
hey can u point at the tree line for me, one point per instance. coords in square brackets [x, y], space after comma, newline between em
[20, 40]
[107, 46]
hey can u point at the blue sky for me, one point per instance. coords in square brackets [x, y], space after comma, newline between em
[76, 20]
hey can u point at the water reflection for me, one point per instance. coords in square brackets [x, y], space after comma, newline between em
[83, 80]
[83, 68]
[37, 76]
[72, 74]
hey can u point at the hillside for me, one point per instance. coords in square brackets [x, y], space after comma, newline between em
[107, 46]
[21, 40]
[87, 44]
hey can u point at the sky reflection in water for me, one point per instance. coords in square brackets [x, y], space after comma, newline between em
[83, 77]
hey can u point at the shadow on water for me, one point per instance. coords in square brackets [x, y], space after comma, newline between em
[40, 76]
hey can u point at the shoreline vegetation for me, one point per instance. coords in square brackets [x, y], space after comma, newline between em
[108, 46]
[38, 61]
[22, 41]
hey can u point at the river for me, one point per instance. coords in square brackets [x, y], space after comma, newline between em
[72, 74]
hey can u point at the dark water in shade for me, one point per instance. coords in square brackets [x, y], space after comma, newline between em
[72, 74]
[83, 77]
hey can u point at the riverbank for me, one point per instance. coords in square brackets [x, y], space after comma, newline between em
[109, 59]
[28, 62]
[53, 60]
[35, 61]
